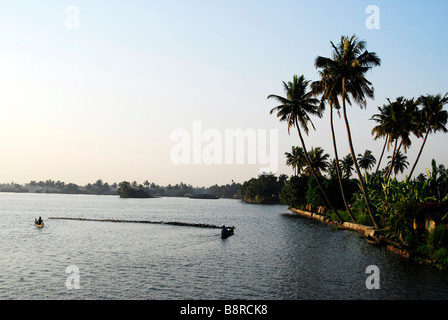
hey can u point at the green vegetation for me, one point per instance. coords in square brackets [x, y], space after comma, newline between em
[303, 192]
[264, 189]
[400, 206]
[125, 190]
[414, 210]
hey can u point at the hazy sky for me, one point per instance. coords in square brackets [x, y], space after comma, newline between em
[95, 89]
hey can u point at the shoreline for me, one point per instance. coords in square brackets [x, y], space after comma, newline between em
[392, 245]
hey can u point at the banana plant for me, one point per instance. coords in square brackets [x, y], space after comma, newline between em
[436, 186]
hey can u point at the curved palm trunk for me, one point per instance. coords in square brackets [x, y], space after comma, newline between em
[355, 162]
[314, 173]
[392, 160]
[394, 156]
[420, 152]
[382, 154]
[337, 166]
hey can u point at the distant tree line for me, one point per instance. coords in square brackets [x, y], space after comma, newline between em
[130, 189]
[51, 186]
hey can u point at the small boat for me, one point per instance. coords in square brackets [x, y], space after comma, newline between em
[226, 232]
[373, 241]
[41, 225]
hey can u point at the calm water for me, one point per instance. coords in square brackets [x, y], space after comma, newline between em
[273, 254]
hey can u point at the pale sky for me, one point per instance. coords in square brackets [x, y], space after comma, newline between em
[94, 89]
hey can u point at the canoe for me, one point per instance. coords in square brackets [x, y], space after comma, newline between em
[39, 225]
[227, 232]
[373, 241]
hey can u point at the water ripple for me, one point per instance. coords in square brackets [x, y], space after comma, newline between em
[273, 254]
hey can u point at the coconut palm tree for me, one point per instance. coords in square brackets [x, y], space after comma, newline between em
[402, 117]
[296, 109]
[329, 89]
[400, 163]
[396, 121]
[366, 161]
[331, 169]
[348, 66]
[382, 129]
[347, 166]
[432, 119]
[319, 161]
[296, 159]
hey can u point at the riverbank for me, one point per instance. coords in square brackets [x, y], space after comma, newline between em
[375, 236]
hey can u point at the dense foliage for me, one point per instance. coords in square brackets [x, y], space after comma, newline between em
[379, 199]
[264, 189]
[302, 191]
[125, 190]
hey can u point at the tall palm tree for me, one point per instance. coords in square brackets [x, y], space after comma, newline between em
[347, 166]
[396, 121]
[296, 159]
[348, 66]
[296, 109]
[383, 129]
[319, 161]
[400, 163]
[366, 160]
[329, 89]
[432, 119]
[402, 119]
[331, 169]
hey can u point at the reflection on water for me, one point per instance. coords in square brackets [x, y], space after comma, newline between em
[273, 254]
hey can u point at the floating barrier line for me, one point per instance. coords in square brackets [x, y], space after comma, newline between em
[197, 225]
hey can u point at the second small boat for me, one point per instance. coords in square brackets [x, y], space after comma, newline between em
[226, 232]
[373, 241]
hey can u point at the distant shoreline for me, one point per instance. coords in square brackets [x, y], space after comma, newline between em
[228, 191]
[117, 195]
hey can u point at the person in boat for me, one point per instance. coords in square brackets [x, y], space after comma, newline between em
[39, 221]
[224, 231]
